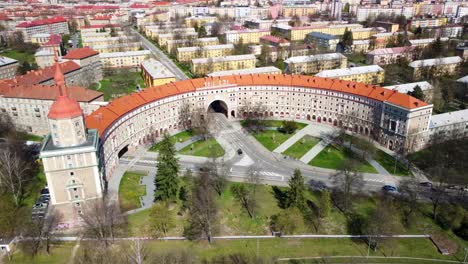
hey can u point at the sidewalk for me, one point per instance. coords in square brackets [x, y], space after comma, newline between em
[311, 129]
[310, 155]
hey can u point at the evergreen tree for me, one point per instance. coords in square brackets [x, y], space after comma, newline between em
[202, 31]
[167, 181]
[437, 48]
[347, 38]
[417, 92]
[295, 195]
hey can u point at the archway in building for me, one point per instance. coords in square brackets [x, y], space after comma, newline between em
[218, 106]
[122, 151]
[233, 113]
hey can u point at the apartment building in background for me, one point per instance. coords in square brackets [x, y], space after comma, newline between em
[8, 67]
[315, 63]
[126, 59]
[372, 74]
[186, 54]
[203, 66]
[435, 67]
[154, 73]
[55, 25]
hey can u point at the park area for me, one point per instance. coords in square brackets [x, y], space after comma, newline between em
[130, 191]
[201, 148]
[118, 83]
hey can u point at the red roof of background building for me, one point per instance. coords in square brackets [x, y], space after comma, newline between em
[41, 22]
[81, 53]
[97, 7]
[4, 17]
[160, 3]
[139, 5]
[39, 76]
[104, 117]
[102, 26]
[45, 92]
[274, 39]
[54, 40]
[102, 17]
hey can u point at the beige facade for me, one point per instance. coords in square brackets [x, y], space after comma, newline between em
[186, 54]
[204, 66]
[248, 36]
[435, 67]
[282, 97]
[372, 74]
[154, 73]
[8, 67]
[315, 63]
[129, 59]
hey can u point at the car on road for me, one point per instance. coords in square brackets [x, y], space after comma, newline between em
[390, 189]
[426, 184]
[239, 152]
[317, 185]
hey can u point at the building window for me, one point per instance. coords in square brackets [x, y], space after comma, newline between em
[72, 173]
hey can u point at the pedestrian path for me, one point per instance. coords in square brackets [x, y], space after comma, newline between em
[310, 155]
[148, 181]
[311, 129]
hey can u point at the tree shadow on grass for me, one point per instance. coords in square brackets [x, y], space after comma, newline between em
[280, 196]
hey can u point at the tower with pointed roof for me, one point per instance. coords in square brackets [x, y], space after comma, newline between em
[70, 156]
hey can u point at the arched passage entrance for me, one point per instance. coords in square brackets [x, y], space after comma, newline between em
[218, 106]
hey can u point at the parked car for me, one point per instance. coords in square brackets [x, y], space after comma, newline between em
[317, 185]
[390, 189]
[426, 184]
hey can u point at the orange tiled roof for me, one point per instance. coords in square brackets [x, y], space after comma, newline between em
[44, 92]
[81, 53]
[39, 76]
[102, 118]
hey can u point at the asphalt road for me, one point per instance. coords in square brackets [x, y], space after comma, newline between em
[273, 168]
[161, 57]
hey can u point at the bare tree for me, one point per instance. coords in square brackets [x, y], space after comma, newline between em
[253, 115]
[50, 223]
[200, 122]
[218, 173]
[408, 200]
[203, 210]
[347, 180]
[185, 115]
[138, 252]
[15, 173]
[101, 218]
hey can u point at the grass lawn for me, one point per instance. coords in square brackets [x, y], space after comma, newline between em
[60, 253]
[119, 84]
[20, 56]
[388, 162]
[276, 123]
[358, 58]
[31, 137]
[271, 139]
[203, 148]
[331, 157]
[302, 146]
[284, 248]
[179, 137]
[130, 191]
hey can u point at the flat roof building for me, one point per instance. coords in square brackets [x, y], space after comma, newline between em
[154, 73]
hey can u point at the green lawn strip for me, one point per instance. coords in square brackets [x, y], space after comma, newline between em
[179, 137]
[271, 139]
[332, 156]
[284, 248]
[302, 146]
[60, 253]
[203, 148]
[236, 221]
[17, 55]
[34, 188]
[388, 162]
[119, 84]
[275, 123]
[130, 191]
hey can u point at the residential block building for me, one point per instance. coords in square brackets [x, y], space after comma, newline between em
[259, 70]
[8, 67]
[154, 73]
[56, 25]
[204, 66]
[435, 67]
[372, 74]
[390, 55]
[126, 59]
[248, 36]
[186, 54]
[315, 63]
